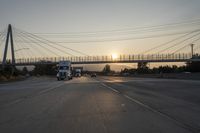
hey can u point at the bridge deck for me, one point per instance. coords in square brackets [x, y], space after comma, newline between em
[108, 59]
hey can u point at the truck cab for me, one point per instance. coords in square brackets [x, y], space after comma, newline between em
[77, 72]
[64, 70]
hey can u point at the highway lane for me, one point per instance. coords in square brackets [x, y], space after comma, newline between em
[102, 104]
[14, 92]
[178, 100]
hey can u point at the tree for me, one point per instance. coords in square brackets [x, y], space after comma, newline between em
[24, 70]
[8, 71]
[193, 66]
[142, 67]
[45, 69]
[106, 69]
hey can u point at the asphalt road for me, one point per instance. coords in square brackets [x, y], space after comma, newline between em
[100, 105]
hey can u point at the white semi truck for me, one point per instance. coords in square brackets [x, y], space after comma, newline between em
[77, 72]
[64, 70]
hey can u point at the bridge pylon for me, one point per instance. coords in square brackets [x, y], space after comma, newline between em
[9, 37]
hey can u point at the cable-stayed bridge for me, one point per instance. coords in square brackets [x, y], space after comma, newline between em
[42, 51]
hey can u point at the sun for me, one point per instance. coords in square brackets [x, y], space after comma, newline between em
[114, 56]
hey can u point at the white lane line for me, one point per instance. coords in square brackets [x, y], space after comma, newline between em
[110, 88]
[128, 97]
[138, 102]
[21, 99]
[14, 102]
[46, 90]
[178, 122]
[80, 82]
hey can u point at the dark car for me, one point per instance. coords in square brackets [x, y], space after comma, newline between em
[94, 75]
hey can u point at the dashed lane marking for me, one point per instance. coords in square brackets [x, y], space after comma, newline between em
[110, 88]
[23, 98]
[178, 122]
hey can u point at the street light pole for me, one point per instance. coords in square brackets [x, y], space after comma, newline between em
[192, 49]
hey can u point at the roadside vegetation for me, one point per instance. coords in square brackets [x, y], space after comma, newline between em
[44, 70]
[143, 68]
[10, 73]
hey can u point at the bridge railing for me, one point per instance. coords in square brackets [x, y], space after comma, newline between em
[120, 58]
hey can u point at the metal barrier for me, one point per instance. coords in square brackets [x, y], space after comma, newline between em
[105, 58]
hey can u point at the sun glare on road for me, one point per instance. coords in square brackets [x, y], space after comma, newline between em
[114, 56]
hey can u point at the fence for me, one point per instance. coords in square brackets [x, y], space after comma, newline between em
[99, 59]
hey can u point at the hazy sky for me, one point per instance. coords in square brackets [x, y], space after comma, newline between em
[66, 16]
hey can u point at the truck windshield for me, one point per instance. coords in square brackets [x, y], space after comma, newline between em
[64, 67]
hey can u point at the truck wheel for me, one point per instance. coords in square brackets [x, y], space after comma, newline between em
[67, 78]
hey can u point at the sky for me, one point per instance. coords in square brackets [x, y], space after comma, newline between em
[93, 15]
[72, 20]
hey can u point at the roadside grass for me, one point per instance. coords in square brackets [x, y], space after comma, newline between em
[4, 79]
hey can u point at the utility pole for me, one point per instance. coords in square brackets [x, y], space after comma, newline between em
[9, 35]
[192, 49]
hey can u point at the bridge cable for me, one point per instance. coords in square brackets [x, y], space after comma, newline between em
[19, 54]
[36, 37]
[2, 37]
[2, 43]
[130, 28]
[121, 39]
[34, 42]
[197, 48]
[29, 53]
[18, 45]
[176, 44]
[38, 50]
[186, 46]
[31, 36]
[39, 47]
[24, 38]
[163, 44]
[113, 35]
